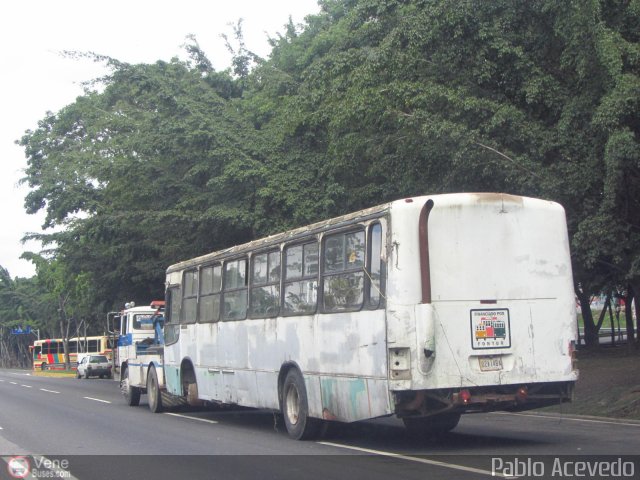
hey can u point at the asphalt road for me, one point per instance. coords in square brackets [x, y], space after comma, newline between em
[84, 428]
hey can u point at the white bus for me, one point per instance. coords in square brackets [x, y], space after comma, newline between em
[426, 308]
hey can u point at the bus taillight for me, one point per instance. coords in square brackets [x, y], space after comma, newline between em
[464, 397]
[522, 393]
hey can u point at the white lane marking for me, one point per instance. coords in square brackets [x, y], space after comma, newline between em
[13, 383]
[26, 386]
[436, 463]
[190, 418]
[50, 391]
[572, 419]
[97, 400]
[1, 380]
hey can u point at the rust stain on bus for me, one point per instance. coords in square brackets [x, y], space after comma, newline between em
[424, 251]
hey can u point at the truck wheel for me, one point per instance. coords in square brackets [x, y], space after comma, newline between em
[295, 408]
[153, 391]
[131, 394]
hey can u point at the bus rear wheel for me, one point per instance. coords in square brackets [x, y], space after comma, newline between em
[295, 408]
[131, 394]
[153, 391]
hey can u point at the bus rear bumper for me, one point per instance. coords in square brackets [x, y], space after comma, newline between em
[482, 399]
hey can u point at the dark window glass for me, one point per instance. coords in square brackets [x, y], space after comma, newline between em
[174, 303]
[235, 290]
[301, 285]
[264, 297]
[210, 285]
[343, 280]
[375, 266]
[189, 297]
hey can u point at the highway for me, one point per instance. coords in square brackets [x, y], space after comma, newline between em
[86, 425]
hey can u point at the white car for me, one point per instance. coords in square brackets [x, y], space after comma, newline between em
[94, 366]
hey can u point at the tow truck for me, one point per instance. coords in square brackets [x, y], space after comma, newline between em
[138, 358]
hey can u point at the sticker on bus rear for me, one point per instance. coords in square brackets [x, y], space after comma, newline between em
[490, 329]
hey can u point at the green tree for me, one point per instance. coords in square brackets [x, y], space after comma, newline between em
[392, 98]
[369, 101]
[20, 307]
[157, 167]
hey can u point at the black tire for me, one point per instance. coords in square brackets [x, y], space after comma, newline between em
[295, 408]
[154, 396]
[43, 366]
[432, 426]
[101, 375]
[131, 394]
[78, 375]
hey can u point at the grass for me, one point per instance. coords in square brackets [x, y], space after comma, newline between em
[54, 373]
[619, 322]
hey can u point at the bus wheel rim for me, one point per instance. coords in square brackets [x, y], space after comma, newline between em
[293, 405]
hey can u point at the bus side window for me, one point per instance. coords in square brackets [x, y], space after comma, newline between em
[235, 290]
[376, 266]
[210, 285]
[343, 274]
[189, 297]
[264, 298]
[172, 311]
[301, 279]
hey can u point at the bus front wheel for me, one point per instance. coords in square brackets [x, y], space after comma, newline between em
[153, 391]
[131, 394]
[295, 408]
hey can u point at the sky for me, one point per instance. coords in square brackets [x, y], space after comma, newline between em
[35, 78]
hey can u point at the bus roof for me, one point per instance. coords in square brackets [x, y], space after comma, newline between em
[361, 215]
[297, 233]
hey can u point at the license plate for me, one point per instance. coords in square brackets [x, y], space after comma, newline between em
[488, 364]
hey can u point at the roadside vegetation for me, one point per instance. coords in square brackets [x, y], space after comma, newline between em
[367, 101]
[608, 386]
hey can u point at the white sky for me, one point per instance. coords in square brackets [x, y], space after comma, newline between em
[35, 79]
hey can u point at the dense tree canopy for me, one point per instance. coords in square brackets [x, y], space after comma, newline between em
[369, 101]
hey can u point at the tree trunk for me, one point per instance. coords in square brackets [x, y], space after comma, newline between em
[590, 330]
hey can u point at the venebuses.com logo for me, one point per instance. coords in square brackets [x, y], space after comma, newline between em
[37, 467]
